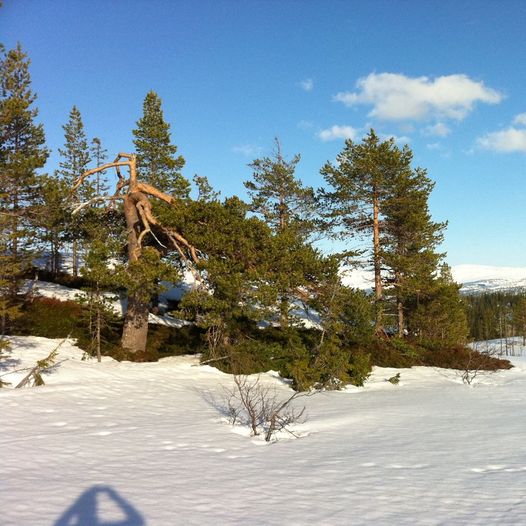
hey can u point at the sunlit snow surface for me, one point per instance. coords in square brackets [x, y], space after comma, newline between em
[473, 278]
[129, 444]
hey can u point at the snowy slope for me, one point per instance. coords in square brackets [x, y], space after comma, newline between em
[482, 278]
[474, 278]
[144, 444]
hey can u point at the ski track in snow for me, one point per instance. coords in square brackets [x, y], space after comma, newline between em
[145, 441]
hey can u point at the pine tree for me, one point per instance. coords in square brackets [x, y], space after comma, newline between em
[278, 196]
[101, 318]
[235, 269]
[53, 219]
[149, 243]
[99, 155]
[360, 184]
[287, 207]
[440, 316]
[519, 317]
[409, 238]
[205, 192]
[157, 163]
[75, 155]
[75, 159]
[22, 153]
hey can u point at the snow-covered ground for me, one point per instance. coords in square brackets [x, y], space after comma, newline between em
[131, 443]
[47, 289]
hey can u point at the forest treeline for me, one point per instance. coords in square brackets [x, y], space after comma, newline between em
[135, 223]
[497, 315]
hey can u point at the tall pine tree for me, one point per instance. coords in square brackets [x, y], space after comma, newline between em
[99, 156]
[278, 195]
[409, 239]
[157, 163]
[287, 207]
[22, 153]
[360, 183]
[75, 159]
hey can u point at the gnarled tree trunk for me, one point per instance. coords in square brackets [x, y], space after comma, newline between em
[135, 330]
[140, 221]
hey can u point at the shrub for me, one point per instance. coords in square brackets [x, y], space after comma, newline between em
[383, 353]
[260, 408]
[173, 341]
[459, 357]
[50, 318]
[360, 368]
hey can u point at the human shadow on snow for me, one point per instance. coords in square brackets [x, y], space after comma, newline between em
[85, 512]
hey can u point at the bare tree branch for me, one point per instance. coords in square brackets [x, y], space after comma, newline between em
[94, 200]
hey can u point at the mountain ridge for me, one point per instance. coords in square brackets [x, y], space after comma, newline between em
[475, 279]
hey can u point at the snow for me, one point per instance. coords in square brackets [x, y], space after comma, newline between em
[474, 278]
[145, 443]
[299, 313]
[47, 289]
[482, 278]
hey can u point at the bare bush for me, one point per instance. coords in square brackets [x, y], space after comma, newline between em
[261, 408]
[476, 363]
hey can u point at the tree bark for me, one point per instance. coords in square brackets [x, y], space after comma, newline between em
[74, 259]
[135, 331]
[401, 322]
[377, 265]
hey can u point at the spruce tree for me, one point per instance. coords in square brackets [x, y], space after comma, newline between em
[22, 153]
[75, 159]
[75, 155]
[53, 219]
[157, 163]
[99, 156]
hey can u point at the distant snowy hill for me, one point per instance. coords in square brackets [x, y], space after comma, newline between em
[474, 278]
[484, 278]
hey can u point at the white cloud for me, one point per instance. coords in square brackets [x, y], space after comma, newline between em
[439, 130]
[305, 125]
[520, 119]
[508, 140]
[248, 150]
[434, 146]
[338, 132]
[398, 97]
[307, 85]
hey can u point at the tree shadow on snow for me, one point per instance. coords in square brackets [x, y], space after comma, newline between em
[9, 363]
[89, 510]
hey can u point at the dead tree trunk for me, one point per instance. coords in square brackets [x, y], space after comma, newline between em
[140, 222]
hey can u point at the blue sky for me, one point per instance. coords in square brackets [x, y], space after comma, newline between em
[446, 76]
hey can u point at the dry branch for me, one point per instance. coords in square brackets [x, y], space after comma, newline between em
[94, 200]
